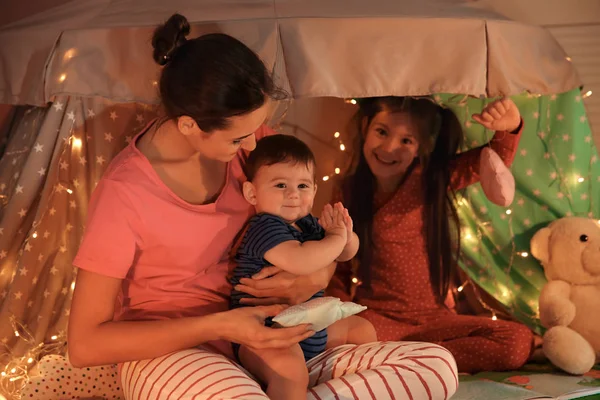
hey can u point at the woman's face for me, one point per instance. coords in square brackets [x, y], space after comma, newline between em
[223, 144]
[390, 145]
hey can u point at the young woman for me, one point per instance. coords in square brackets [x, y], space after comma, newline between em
[152, 291]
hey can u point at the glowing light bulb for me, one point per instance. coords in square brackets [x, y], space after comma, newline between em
[337, 170]
[353, 101]
[355, 280]
[325, 178]
[73, 285]
[494, 318]
[568, 59]
[17, 334]
[336, 135]
[34, 235]
[69, 54]
[342, 147]
[77, 143]
[524, 254]
[460, 288]
[508, 212]
[69, 191]
[54, 337]
[580, 179]
[29, 360]
[62, 78]
[587, 94]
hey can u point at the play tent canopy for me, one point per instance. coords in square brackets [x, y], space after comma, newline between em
[341, 48]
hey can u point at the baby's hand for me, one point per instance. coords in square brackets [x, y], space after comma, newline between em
[501, 115]
[333, 221]
[348, 222]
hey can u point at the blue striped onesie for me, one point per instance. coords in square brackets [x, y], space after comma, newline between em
[263, 232]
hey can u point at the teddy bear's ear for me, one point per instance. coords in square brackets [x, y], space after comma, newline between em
[540, 244]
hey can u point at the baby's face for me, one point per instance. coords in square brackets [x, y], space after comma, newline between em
[285, 189]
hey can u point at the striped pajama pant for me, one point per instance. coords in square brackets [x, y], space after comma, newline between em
[381, 371]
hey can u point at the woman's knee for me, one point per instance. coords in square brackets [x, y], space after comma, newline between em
[438, 363]
[196, 373]
[444, 364]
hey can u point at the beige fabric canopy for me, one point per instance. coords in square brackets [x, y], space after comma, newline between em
[342, 48]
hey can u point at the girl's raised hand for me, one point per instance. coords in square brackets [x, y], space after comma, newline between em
[501, 115]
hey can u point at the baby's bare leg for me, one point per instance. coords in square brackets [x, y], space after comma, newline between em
[283, 371]
[351, 330]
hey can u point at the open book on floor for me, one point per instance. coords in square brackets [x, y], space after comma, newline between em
[525, 385]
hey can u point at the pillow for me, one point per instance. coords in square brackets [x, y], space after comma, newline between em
[497, 181]
[55, 378]
[320, 313]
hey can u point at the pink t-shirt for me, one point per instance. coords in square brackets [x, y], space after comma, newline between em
[171, 255]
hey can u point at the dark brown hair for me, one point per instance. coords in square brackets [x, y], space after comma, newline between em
[275, 149]
[210, 78]
[440, 136]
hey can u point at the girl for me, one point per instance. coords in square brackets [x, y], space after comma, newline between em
[152, 291]
[400, 196]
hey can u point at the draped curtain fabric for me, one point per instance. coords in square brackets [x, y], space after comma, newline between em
[557, 174]
[52, 160]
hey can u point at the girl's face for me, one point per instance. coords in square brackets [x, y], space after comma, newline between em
[390, 145]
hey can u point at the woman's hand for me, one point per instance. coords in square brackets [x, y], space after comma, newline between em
[247, 326]
[501, 115]
[275, 286]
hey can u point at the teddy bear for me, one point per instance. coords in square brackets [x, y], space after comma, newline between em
[569, 304]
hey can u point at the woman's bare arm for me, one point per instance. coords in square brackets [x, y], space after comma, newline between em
[95, 339]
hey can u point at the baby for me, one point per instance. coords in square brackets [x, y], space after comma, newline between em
[281, 186]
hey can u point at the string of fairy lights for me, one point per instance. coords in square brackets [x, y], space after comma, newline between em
[14, 374]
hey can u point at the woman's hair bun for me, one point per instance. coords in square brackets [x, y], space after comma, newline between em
[168, 37]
